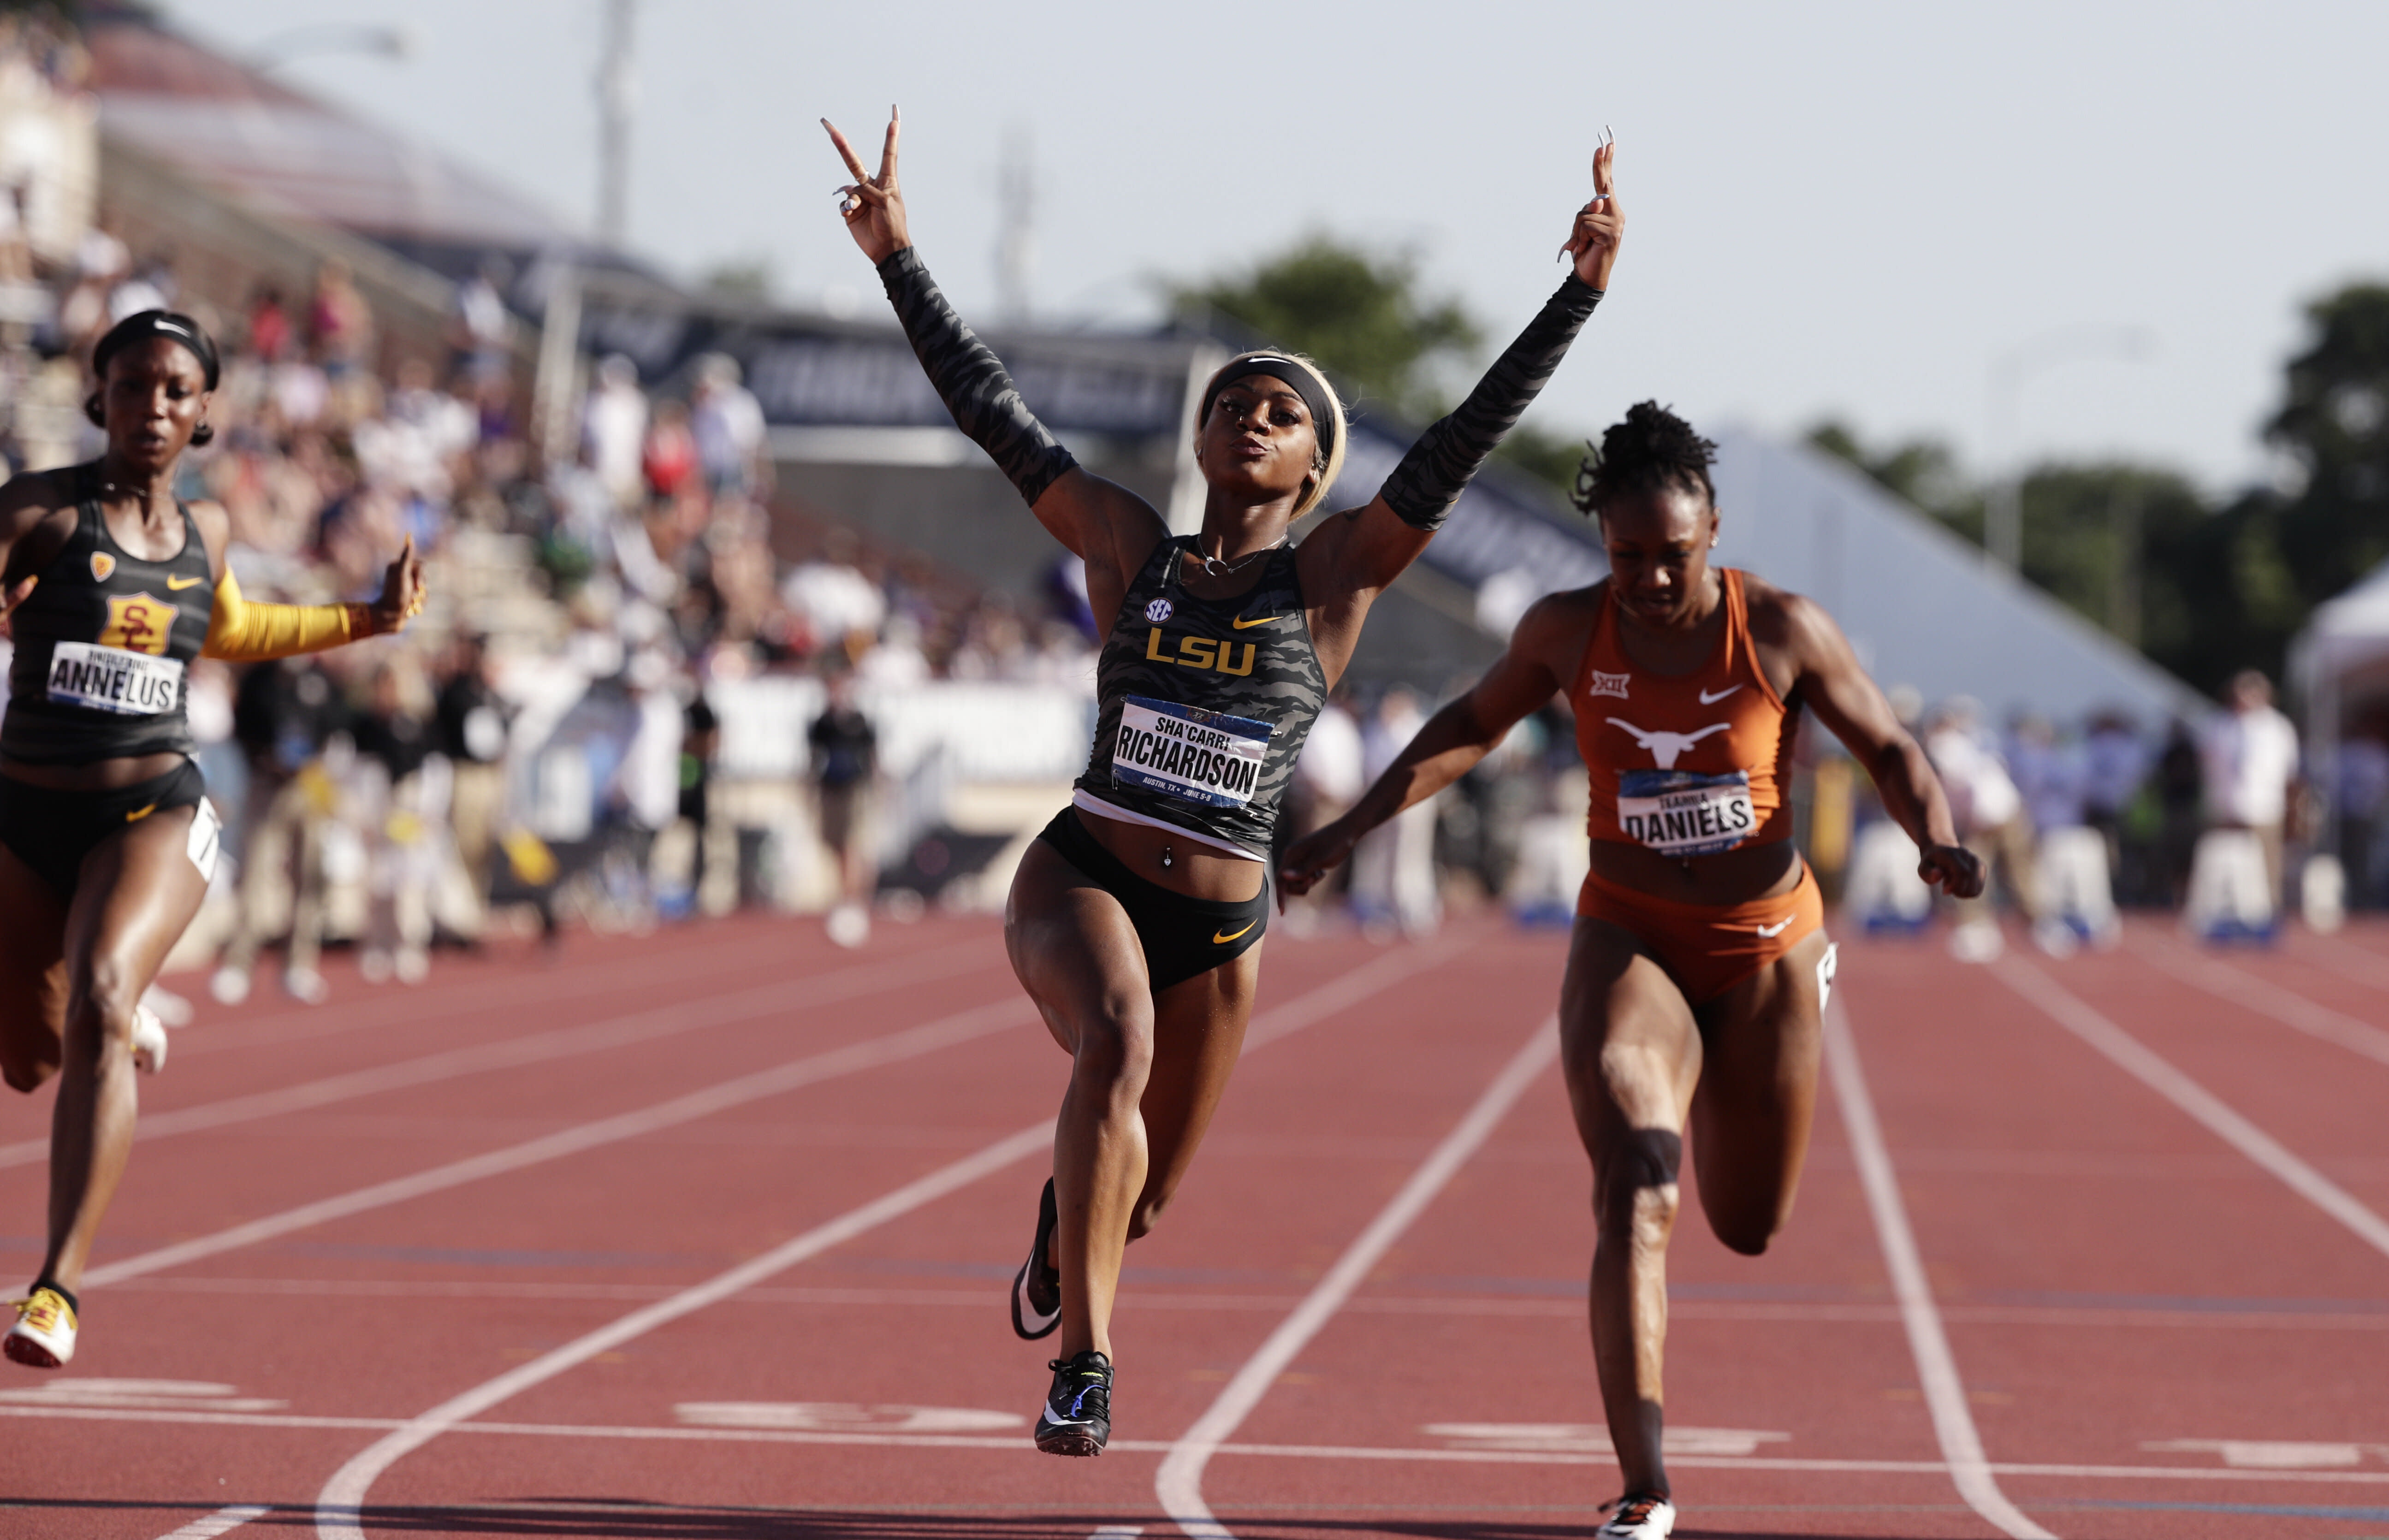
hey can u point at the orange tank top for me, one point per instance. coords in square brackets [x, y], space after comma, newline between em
[1686, 765]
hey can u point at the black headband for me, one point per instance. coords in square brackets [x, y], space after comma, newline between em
[145, 324]
[1306, 385]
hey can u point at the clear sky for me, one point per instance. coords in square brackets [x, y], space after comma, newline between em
[1833, 208]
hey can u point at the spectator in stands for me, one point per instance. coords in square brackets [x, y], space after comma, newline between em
[727, 423]
[701, 741]
[845, 763]
[478, 326]
[2114, 765]
[1393, 867]
[340, 323]
[269, 325]
[1328, 779]
[668, 459]
[2248, 756]
[284, 715]
[614, 430]
[403, 805]
[2362, 799]
[1991, 820]
[472, 732]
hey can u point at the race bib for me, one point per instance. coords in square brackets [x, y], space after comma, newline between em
[1678, 813]
[1202, 756]
[112, 679]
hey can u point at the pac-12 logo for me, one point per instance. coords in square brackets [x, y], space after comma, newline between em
[102, 563]
[1158, 611]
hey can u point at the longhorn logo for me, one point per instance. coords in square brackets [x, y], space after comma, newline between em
[1666, 746]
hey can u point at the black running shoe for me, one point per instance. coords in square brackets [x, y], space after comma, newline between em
[1076, 1417]
[1037, 1291]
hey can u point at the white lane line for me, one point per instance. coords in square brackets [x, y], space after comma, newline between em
[2143, 1065]
[1117, 1532]
[1368, 1453]
[854, 1058]
[539, 1048]
[339, 1506]
[1179, 1483]
[1937, 1367]
[221, 1522]
[2264, 997]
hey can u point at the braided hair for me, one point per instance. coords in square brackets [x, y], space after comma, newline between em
[1653, 450]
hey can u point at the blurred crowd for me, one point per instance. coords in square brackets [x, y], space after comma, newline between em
[539, 736]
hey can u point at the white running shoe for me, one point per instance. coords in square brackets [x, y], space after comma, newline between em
[229, 986]
[849, 925]
[1644, 1517]
[1977, 941]
[149, 1040]
[43, 1336]
[172, 1009]
[305, 985]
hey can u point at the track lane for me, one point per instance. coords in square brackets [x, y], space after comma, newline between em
[2040, 1173]
[869, 1354]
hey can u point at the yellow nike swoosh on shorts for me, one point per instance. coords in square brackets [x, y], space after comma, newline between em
[1244, 624]
[184, 582]
[1218, 940]
[137, 814]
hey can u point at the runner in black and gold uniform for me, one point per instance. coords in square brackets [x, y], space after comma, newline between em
[106, 841]
[1135, 921]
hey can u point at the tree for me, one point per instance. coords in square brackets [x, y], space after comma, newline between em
[2334, 426]
[1360, 315]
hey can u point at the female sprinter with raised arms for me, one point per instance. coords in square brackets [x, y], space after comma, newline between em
[1135, 920]
[106, 841]
[1698, 969]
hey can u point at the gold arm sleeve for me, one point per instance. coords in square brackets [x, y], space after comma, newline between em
[239, 631]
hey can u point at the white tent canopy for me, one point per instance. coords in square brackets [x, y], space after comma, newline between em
[2340, 661]
[1922, 606]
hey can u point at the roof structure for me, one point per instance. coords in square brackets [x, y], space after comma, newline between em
[286, 153]
[1922, 607]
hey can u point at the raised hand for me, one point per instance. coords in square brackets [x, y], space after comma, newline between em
[402, 592]
[872, 206]
[1600, 225]
[1953, 869]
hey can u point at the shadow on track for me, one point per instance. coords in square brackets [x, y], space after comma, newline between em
[632, 1520]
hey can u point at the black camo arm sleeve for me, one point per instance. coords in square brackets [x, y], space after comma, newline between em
[1432, 476]
[971, 380]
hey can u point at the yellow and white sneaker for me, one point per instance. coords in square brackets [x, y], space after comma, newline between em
[149, 1040]
[43, 1336]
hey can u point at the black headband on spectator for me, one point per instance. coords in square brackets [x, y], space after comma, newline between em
[145, 324]
[1306, 385]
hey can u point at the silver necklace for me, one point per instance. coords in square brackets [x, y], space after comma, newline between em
[1214, 567]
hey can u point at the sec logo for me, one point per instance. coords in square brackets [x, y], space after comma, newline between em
[1158, 611]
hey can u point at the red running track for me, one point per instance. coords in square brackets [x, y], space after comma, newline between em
[707, 1234]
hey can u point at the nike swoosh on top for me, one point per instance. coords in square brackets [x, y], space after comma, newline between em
[1218, 940]
[139, 813]
[1244, 624]
[1776, 929]
[1707, 699]
[179, 583]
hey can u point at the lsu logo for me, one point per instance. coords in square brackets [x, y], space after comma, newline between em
[138, 623]
[1606, 684]
[1200, 652]
[102, 563]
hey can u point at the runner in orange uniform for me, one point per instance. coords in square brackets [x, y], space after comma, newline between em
[1698, 969]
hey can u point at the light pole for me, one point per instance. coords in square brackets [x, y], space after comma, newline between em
[617, 98]
[2003, 515]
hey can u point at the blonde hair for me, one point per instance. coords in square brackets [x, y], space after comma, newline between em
[1323, 472]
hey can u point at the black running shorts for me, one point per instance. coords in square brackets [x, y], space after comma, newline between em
[1181, 936]
[51, 831]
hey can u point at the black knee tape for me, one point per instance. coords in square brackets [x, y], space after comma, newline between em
[1652, 1157]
